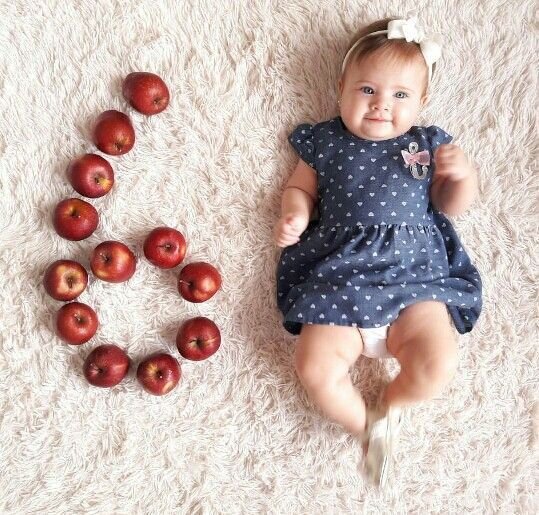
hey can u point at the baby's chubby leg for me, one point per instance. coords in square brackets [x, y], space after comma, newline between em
[423, 341]
[324, 355]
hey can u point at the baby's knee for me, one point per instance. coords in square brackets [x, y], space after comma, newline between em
[319, 371]
[313, 372]
[439, 372]
[324, 355]
[433, 372]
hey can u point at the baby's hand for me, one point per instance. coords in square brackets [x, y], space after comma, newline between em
[451, 163]
[289, 228]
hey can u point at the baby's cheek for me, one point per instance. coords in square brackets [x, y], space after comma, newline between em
[405, 118]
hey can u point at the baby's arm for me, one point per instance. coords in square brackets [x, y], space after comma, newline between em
[299, 198]
[454, 187]
[301, 190]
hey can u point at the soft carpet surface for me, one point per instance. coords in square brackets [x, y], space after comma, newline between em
[239, 435]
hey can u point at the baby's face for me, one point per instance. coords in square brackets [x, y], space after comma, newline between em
[381, 99]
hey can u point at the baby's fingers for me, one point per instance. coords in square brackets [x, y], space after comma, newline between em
[285, 240]
[286, 243]
[290, 230]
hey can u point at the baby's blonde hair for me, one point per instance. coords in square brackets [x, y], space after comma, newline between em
[398, 49]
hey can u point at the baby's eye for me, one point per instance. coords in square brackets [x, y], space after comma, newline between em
[367, 90]
[401, 94]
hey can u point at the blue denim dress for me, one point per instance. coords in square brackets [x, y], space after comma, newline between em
[378, 245]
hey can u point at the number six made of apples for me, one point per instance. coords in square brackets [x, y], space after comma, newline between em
[74, 219]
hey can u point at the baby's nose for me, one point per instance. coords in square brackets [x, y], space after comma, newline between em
[381, 106]
[381, 103]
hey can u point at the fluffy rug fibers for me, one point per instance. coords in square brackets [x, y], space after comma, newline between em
[239, 435]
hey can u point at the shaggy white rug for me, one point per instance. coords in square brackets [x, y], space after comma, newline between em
[239, 435]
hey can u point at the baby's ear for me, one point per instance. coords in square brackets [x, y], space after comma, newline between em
[424, 99]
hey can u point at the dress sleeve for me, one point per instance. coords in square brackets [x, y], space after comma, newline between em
[301, 138]
[437, 137]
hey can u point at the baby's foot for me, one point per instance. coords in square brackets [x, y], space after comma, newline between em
[381, 436]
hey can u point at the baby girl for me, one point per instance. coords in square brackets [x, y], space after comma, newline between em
[380, 272]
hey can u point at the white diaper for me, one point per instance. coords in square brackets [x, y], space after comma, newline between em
[374, 342]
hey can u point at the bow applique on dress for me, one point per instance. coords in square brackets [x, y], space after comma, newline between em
[413, 158]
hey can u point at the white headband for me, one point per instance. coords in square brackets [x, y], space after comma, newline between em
[410, 30]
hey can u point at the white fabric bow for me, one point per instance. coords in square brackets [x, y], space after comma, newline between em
[410, 30]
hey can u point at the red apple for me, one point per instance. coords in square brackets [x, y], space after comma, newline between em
[113, 262]
[146, 92]
[106, 366]
[113, 133]
[91, 175]
[165, 247]
[159, 373]
[74, 219]
[198, 339]
[198, 282]
[65, 279]
[76, 323]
